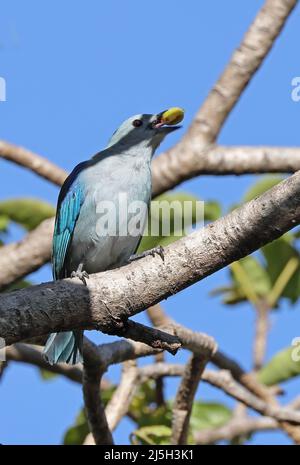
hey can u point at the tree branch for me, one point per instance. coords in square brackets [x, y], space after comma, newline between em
[159, 383]
[238, 160]
[223, 380]
[32, 161]
[120, 402]
[196, 153]
[32, 355]
[184, 399]
[218, 160]
[153, 337]
[21, 258]
[108, 298]
[262, 310]
[92, 375]
[197, 341]
[236, 427]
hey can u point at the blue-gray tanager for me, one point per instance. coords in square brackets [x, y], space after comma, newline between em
[79, 247]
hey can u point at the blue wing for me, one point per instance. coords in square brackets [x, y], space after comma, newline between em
[68, 208]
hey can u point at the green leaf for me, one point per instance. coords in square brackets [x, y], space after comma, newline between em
[230, 295]
[212, 210]
[21, 284]
[277, 254]
[170, 214]
[181, 206]
[4, 220]
[27, 212]
[281, 367]
[152, 435]
[77, 433]
[149, 242]
[106, 394]
[47, 375]
[264, 184]
[296, 234]
[209, 415]
[143, 408]
[204, 415]
[257, 278]
[182, 216]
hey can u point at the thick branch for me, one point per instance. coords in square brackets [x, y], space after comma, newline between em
[115, 295]
[226, 160]
[239, 160]
[218, 160]
[16, 260]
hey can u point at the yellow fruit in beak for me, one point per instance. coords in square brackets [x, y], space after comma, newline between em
[172, 116]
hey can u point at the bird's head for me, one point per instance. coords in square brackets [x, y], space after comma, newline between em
[147, 130]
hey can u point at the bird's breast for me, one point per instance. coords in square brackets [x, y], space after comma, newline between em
[112, 217]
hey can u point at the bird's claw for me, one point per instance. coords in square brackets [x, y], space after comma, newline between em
[155, 251]
[82, 275]
[159, 250]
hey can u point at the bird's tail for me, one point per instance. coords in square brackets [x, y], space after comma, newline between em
[64, 347]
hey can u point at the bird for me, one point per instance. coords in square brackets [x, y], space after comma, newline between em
[80, 246]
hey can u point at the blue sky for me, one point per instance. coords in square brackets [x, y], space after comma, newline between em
[74, 72]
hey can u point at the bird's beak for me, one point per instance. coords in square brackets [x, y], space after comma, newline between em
[167, 120]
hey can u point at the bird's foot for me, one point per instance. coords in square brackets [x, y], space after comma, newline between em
[81, 274]
[155, 251]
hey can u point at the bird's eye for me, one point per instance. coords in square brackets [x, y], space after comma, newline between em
[137, 122]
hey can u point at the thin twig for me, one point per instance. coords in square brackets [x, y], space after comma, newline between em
[184, 399]
[262, 310]
[159, 382]
[32, 355]
[153, 337]
[120, 402]
[235, 428]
